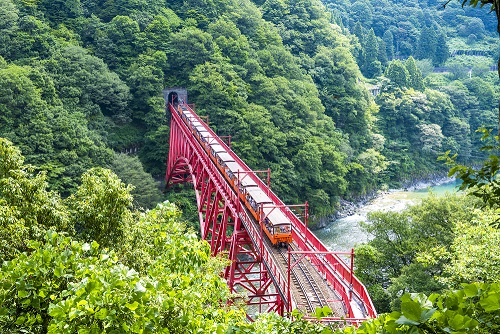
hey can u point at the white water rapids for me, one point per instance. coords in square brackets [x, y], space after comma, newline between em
[343, 234]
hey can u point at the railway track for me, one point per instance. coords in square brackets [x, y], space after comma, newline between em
[308, 289]
[310, 293]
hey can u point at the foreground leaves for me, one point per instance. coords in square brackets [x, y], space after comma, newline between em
[473, 309]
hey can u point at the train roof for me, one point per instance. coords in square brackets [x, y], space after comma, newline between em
[276, 216]
[234, 167]
[258, 195]
[197, 123]
[201, 129]
[246, 181]
[226, 157]
[217, 147]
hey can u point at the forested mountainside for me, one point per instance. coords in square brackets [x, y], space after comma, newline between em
[338, 100]
[81, 82]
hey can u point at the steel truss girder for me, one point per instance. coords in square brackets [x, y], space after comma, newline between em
[219, 211]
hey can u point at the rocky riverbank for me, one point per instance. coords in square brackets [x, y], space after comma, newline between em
[344, 233]
[349, 208]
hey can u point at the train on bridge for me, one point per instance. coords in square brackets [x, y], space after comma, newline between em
[274, 223]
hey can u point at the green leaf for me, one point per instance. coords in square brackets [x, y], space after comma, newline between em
[490, 303]
[101, 314]
[23, 293]
[457, 322]
[131, 274]
[411, 310]
[58, 271]
[470, 290]
[427, 314]
[55, 311]
[139, 287]
[132, 306]
[405, 321]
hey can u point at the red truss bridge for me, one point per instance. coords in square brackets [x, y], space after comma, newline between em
[276, 261]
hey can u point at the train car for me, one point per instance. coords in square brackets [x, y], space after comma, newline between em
[280, 227]
[273, 221]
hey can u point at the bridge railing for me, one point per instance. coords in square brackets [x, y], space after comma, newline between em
[334, 268]
[275, 271]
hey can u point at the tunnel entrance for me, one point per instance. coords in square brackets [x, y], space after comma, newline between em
[175, 95]
[173, 98]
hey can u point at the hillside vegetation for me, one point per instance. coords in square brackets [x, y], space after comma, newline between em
[91, 264]
[338, 99]
[81, 82]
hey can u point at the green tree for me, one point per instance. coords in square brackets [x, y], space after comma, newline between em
[360, 33]
[495, 6]
[398, 74]
[28, 209]
[49, 136]
[362, 11]
[336, 74]
[32, 39]
[145, 190]
[427, 44]
[63, 285]
[232, 43]
[371, 66]
[382, 52]
[9, 18]
[388, 264]
[474, 253]
[457, 132]
[84, 83]
[119, 42]
[145, 77]
[59, 11]
[442, 50]
[158, 31]
[187, 48]
[100, 208]
[415, 79]
[389, 44]
[431, 137]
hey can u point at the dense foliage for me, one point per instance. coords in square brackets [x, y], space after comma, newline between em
[286, 79]
[80, 91]
[399, 46]
[155, 276]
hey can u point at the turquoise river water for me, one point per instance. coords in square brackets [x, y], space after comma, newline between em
[343, 234]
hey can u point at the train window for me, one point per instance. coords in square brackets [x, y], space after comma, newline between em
[255, 196]
[278, 219]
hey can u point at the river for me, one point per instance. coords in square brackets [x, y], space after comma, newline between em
[343, 234]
